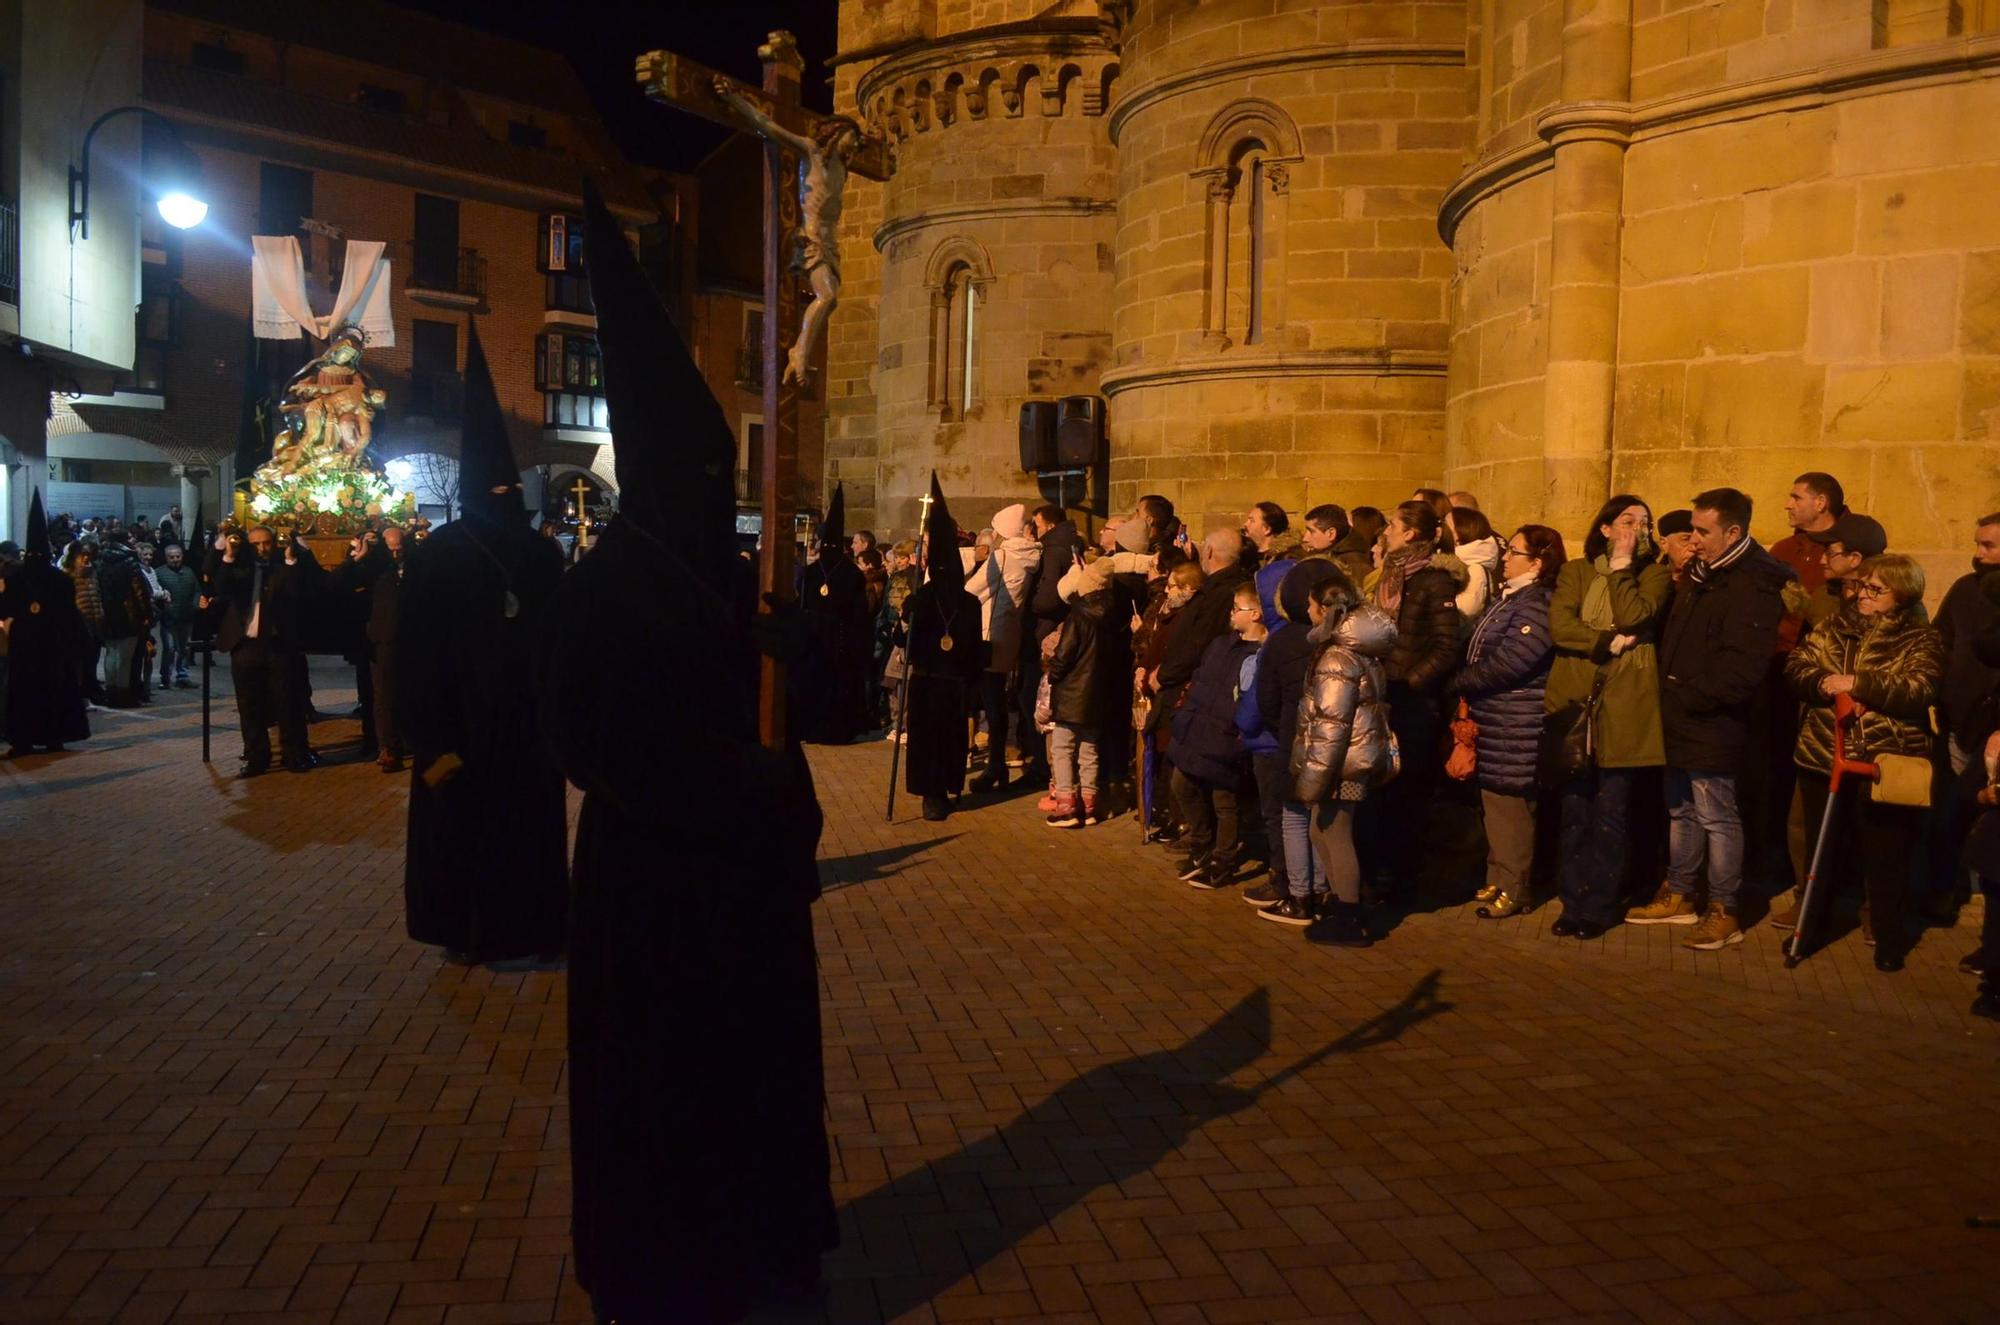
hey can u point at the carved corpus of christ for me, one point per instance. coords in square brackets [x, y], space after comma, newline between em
[823, 166]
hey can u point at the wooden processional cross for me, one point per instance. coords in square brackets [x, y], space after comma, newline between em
[681, 83]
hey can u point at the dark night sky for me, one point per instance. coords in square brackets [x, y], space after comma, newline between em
[602, 39]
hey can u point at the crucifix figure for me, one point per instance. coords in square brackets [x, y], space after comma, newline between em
[823, 179]
[582, 491]
[821, 151]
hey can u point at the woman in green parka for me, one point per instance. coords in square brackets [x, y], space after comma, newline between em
[1606, 612]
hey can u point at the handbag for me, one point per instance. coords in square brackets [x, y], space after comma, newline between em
[1569, 736]
[1463, 761]
[1902, 780]
[897, 666]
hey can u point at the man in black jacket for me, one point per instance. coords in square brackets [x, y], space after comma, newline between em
[1713, 655]
[1969, 704]
[262, 598]
[1206, 617]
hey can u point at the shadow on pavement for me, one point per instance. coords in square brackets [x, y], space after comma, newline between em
[1106, 1127]
[33, 788]
[838, 872]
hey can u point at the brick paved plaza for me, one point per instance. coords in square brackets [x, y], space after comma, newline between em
[1064, 1088]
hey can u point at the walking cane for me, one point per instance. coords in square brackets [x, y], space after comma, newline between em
[902, 734]
[1846, 710]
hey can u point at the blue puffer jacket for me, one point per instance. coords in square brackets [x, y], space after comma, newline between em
[1257, 738]
[1206, 746]
[1506, 668]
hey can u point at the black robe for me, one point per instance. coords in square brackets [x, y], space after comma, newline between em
[44, 680]
[940, 686]
[484, 873]
[829, 687]
[697, 1140]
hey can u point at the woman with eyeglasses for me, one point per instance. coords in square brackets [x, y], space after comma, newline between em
[1607, 610]
[1506, 670]
[1882, 650]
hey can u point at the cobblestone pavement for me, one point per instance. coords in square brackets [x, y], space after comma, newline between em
[1063, 1087]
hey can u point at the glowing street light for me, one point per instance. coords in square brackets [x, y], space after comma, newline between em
[181, 204]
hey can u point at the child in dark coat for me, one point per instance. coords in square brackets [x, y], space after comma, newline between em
[1209, 758]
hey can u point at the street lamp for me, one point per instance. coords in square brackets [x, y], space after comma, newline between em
[181, 204]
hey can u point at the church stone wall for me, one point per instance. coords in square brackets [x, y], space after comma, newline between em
[848, 383]
[1542, 249]
[1003, 183]
[1286, 159]
[1800, 273]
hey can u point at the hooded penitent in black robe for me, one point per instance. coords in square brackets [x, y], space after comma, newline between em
[697, 1140]
[44, 681]
[485, 873]
[829, 686]
[941, 674]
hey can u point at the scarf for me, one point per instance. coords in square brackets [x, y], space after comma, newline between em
[1699, 570]
[1396, 568]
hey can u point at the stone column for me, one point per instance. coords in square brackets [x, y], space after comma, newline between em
[191, 477]
[1215, 309]
[1588, 131]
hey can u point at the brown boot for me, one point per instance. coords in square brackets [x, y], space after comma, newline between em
[1717, 930]
[1787, 918]
[1670, 908]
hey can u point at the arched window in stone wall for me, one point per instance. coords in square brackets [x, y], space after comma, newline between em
[1244, 171]
[956, 280]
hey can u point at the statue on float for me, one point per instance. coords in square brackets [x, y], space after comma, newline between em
[318, 479]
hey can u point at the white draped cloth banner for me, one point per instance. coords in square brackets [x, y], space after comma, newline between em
[278, 305]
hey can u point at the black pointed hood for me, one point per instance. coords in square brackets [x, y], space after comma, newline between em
[489, 482]
[37, 542]
[672, 445]
[833, 529]
[941, 531]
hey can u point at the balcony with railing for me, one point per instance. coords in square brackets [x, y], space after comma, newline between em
[750, 365]
[448, 278]
[10, 252]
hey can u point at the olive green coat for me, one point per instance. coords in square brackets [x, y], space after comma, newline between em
[1897, 662]
[1628, 712]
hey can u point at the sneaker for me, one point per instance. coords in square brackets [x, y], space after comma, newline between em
[1867, 926]
[1717, 930]
[1973, 963]
[1673, 909]
[1066, 814]
[1264, 894]
[1787, 918]
[1219, 872]
[1048, 802]
[1299, 911]
[1340, 925]
[1090, 814]
[1191, 865]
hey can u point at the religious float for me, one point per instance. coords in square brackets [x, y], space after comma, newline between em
[319, 485]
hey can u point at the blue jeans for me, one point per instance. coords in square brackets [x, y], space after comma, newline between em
[1703, 823]
[174, 651]
[1596, 809]
[1302, 870]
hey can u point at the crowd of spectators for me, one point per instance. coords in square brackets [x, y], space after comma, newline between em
[1635, 718]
